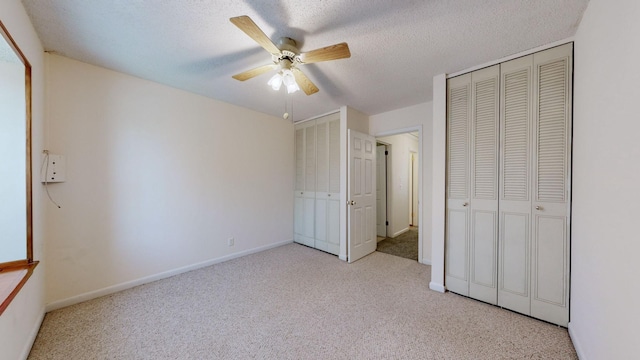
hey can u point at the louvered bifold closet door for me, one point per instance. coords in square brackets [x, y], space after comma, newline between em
[516, 113]
[458, 184]
[327, 213]
[483, 279]
[551, 185]
[298, 193]
[304, 206]
[333, 210]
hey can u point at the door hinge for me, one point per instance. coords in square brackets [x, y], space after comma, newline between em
[387, 223]
[386, 152]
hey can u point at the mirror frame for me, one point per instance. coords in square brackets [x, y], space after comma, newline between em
[27, 77]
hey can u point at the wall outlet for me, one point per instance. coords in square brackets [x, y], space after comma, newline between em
[231, 241]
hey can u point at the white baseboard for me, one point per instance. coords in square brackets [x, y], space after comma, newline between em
[163, 275]
[576, 342]
[32, 336]
[397, 233]
[437, 287]
[342, 257]
[425, 261]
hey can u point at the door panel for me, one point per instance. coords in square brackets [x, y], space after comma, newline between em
[333, 228]
[513, 280]
[321, 224]
[457, 252]
[298, 214]
[549, 253]
[484, 278]
[361, 195]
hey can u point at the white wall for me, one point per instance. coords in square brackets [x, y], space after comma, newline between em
[157, 180]
[398, 190]
[438, 163]
[606, 175]
[13, 206]
[416, 116]
[20, 322]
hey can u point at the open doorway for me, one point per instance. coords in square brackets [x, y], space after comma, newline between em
[397, 194]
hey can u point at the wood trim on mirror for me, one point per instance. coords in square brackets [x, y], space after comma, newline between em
[14, 274]
[27, 78]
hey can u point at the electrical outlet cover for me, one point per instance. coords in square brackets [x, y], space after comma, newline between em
[54, 170]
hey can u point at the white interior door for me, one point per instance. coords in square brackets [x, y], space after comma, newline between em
[361, 195]
[381, 190]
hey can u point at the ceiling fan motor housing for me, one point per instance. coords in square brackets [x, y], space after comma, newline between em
[289, 53]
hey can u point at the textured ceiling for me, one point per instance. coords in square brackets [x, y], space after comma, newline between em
[6, 52]
[397, 46]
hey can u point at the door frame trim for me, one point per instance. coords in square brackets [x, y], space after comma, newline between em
[421, 220]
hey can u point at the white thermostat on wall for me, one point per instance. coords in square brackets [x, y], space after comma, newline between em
[53, 168]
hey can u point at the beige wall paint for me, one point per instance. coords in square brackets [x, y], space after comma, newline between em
[416, 116]
[20, 322]
[606, 175]
[157, 180]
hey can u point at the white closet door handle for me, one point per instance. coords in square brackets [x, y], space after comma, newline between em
[538, 207]
[465, 204]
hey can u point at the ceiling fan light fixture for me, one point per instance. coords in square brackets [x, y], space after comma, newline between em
[292, 88]
[286, 77]
[289, 81]
[275, 82]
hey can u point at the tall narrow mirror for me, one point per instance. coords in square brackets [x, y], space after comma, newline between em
[15, 149]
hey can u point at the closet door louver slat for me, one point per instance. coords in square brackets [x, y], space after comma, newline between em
[458, 143]
[516, 135]
[552, 135]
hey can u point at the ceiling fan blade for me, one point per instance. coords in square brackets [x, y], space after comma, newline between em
[332, 52]
[250, 28]
[254, 72]
[303, 81]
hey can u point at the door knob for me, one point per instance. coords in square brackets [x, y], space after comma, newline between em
[538, 207]
[351, 202]
[465, 204]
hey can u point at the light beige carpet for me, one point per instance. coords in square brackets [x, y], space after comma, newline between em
[294, 302]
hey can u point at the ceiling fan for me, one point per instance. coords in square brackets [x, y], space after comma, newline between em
[286, 58]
